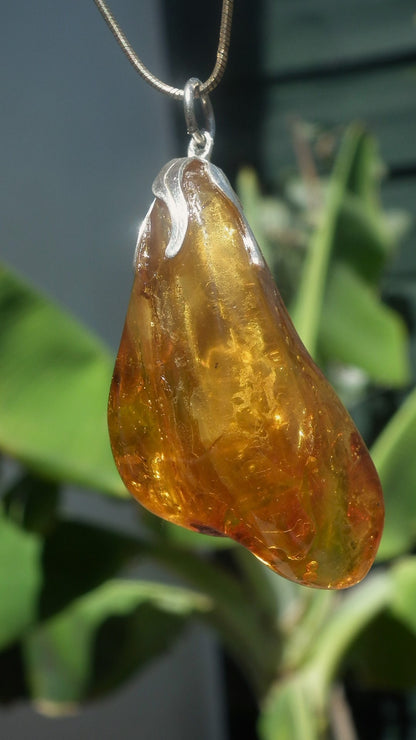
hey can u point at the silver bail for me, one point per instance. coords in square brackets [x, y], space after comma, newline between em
[202, 138]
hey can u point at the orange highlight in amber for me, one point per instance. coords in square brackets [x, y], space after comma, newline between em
[219, 419]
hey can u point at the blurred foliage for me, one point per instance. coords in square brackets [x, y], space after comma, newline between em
[74, 624]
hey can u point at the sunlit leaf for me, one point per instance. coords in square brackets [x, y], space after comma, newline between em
[54, 379]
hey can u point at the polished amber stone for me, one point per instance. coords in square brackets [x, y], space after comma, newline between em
[219, 419]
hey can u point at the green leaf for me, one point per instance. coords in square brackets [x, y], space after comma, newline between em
[20, 580]
[366, 170]
[307, 309]
[103, 638]
[356, 328]
[54, 380]
[394, 457]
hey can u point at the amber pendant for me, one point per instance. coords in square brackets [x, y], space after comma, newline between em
[219, 419]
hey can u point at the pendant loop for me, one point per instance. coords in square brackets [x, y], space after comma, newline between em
[202, 139]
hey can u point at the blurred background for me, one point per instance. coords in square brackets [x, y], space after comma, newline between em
[82, 137]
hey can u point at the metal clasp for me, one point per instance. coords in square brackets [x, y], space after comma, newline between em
[202, 139]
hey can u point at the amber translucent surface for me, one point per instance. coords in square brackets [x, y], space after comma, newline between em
[219, 419]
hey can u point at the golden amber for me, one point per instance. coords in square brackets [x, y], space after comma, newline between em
[219, 419]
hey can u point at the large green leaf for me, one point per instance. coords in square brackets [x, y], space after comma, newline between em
[395, 459]
[54, 379]
[20, 580]
[357, 328]
[103, 638]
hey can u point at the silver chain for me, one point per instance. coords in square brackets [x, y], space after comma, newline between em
[174, 92]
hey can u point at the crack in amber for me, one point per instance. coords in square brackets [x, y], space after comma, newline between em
[219, 419]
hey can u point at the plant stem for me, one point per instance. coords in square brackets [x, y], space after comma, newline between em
[355, 611]
[254, 644]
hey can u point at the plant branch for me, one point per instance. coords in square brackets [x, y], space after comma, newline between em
[255, 645]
